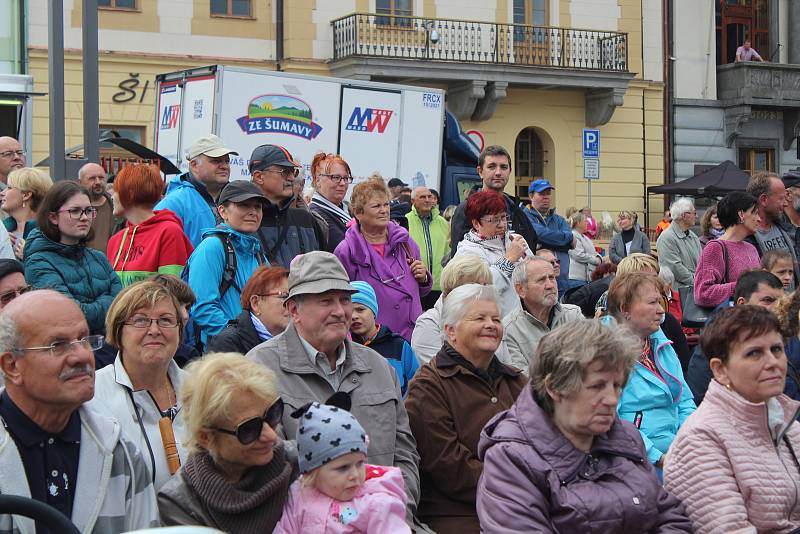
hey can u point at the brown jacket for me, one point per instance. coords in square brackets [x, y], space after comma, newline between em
[448, 404]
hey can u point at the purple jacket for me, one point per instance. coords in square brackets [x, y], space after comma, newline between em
[397, 290]
[535, 480]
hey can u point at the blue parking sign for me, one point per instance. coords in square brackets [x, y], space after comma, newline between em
[591, 143]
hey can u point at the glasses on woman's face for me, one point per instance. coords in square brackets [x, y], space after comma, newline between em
[141, 321]
[337, 178]
[281, 295]
[8, 296]
[249, 431]
[503, 219]
[76, 213]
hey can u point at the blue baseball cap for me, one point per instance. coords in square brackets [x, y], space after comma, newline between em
[537, 186]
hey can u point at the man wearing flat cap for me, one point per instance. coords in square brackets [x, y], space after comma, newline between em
[285, 231]
[193, 195]
[313, 359]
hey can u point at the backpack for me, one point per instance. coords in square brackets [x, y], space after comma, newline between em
[228, 280]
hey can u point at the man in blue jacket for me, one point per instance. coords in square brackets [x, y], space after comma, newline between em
[192, 195]
[552, 229]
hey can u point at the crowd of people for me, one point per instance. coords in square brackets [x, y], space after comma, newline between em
[233, 355]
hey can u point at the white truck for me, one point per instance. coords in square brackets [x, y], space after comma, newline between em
[395, 130]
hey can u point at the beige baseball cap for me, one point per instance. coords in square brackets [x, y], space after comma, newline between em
[317, 272]
[209, 145]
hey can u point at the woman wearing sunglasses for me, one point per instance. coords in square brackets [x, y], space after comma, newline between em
[263, 314]
[56, 255]
[237, 475]
[142, 388]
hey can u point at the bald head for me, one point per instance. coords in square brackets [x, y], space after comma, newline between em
[93, 177]
[11, 157]
[423, 200]
[33, 305]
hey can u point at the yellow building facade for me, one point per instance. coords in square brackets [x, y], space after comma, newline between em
[160, 36]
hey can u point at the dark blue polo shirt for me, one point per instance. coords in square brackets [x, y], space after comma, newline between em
[50, 460]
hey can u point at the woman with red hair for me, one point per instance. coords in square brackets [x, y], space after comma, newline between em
[152, 242]
[491, 241]
[331, 178]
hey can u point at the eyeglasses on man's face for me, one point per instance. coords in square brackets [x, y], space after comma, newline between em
[59, 349]
[8, 296]
[285, 172]
[11, 153]
[76, 213]
[337, 178]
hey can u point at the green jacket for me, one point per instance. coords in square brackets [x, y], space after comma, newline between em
[432, 239]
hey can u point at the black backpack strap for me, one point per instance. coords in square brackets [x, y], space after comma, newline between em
[231, 265]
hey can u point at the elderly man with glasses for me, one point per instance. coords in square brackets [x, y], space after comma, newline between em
[52, 447]
[285, 231]
[12, 157]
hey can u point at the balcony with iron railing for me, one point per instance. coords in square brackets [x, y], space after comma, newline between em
[479, 60]
[389, 36]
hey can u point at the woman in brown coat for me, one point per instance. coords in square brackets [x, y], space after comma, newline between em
[450, 400]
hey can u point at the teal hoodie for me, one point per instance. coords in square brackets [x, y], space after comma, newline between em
[212, 311]
[79, 272]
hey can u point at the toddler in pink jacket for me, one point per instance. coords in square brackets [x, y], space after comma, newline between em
[338, 492]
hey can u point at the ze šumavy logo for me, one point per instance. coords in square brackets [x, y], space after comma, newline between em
[279, 114]
[369, 119]
[169, 119]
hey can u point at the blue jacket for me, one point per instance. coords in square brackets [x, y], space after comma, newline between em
[398, 353]
[662, 405]
[79, 272]
[554, 234]
[193, 205]
[212, 312]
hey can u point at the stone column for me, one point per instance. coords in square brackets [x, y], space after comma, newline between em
[793, 37]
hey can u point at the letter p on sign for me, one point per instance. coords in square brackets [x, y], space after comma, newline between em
[591, 143]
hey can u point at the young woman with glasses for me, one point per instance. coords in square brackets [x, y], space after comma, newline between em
[56, 255]
[237, 476]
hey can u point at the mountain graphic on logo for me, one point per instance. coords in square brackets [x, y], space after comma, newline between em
[279, 114]
[279, 106]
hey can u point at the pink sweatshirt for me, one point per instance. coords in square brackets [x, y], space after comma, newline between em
[726, 469]
[380, 506]
[708, 287]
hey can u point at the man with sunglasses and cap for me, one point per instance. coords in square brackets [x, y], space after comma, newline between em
[313, 359]
[285, 231]
[54, 448]
[192, 196]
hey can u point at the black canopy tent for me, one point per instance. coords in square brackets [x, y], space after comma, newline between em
[715, 182]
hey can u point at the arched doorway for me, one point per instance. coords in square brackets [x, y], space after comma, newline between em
[529, 160]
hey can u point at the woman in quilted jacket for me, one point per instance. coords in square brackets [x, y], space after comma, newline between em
[734, 462]
[56, 255]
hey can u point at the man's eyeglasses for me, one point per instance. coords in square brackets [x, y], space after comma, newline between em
[59, 349]
[337, 178]
[12, 153]
[76, 213]
[8, 296]
[167, 321]
[286, 172]
[249, 431]
[503, 219]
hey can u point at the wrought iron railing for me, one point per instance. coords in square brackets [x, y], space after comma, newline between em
[392, 36]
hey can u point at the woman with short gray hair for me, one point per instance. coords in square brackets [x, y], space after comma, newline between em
[451, 399]
[560, 459]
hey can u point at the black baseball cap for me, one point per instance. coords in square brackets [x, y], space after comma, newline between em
[239, 191]
[397, 182]
[265, 156]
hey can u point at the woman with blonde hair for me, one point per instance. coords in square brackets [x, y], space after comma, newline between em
[628, 240]
[21, 200]
[331, 178]
[380, 252]
[237, 475]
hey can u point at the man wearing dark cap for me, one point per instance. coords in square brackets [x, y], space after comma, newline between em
[193, 195]
[12, 281]
[313, 359]
[552, 229]
[285, 231]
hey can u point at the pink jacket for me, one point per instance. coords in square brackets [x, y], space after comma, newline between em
[727, 470]
[380, 506]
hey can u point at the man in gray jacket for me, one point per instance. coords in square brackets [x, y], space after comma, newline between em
[678, 247]
[313, 359]
[535, 282]
[52, 447]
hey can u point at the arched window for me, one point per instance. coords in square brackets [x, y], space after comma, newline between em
[528, 160]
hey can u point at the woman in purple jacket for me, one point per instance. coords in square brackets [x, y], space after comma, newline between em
[380, 252]
[560, 460]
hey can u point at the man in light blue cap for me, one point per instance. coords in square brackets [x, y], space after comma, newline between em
[378, 337]
[553, 230]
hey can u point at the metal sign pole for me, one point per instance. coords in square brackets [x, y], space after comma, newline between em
[91, 111]
[55, 67]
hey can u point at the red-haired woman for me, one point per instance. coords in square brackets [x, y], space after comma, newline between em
[491, 241]
[263, 313]
[152, 242]
[331, 178]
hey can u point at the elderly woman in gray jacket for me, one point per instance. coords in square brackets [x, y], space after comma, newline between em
[628, 240]
[583, 258]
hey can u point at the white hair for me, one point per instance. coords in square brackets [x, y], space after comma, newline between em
[666, 274]
[520, 275]
[681, 206]
[459, 299]
[9, 333]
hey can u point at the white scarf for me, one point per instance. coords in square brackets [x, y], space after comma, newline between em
[331, 208]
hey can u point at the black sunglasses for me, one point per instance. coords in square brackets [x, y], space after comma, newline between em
[249, 431]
